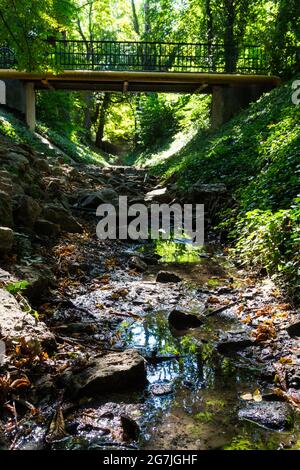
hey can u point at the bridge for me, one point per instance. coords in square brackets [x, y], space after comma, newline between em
[235, 75]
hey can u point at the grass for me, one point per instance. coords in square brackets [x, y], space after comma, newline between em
[257, 156]
[16, 130]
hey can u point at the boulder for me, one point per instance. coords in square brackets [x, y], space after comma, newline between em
[93, 200]
[16, 325]
[166, 276]
[272, 415]
[294, 329]
[6, 239]
[39, 279]
[41, 165]
[182, 320]
[47, 228]
[60, 216]
[6, 210]
[17, 162]
[27, 212]
[160, 195]
[135, 262]
[235, 341]
[112, 372]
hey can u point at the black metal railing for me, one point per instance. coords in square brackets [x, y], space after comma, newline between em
[156, 57]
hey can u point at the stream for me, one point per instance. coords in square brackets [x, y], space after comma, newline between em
[193, 393]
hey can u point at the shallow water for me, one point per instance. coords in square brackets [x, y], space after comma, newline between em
[193, 393]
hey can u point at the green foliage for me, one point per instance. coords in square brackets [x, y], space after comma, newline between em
[257, 156]
[15, 129]
[271, 242]
[15, 287]
[73, 148]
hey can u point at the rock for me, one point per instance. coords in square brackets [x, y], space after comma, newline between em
[42, 165]
[292, 372]
[93, 200]
[6, 211]
[166, 276]
[234, 341]
[131, 429]
[39, 279]
[158, 195]
[181, 320]
[273, 415]
[6, 239]
[208, 190]
[47, 228]
[161, 389]
[60, 216]
[16, 325]
[27, 212]
[17, 162]
[112, 372]
[294, 329]
[135, 262]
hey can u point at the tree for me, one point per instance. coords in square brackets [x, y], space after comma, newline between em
[26, 25]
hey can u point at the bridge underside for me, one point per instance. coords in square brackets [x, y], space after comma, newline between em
[164, 82]
[230, 92]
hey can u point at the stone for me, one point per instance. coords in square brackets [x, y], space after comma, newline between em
[112, 372]
[17, 161]
[16, 325]
[160, 195]
[292, 373]
[39, 279]
[6, 239]
[161, 389]
[60, 216]
[182, 320]
[166, 276]
[294, 329]
[42, 165]
[27, 212]
[131, 430]
[6, 210]
[94, 199]
[234, 341]
[47, 228]
[272, 415]
[135, 262]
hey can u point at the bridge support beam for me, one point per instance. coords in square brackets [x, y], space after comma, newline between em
[227, 101]
[30, 105]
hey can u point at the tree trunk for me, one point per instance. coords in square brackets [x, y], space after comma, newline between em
[101, 121]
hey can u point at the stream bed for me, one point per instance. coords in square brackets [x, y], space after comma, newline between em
[193, 393]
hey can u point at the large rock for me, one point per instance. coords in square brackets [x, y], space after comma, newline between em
[166, 276]
[273, 415]
[182, 320]
[47, 228]
[93, 200]
[60, 216]
[113, 372]
[39, 279]
[6, 211]
[16, 162]
[160, 195]
[27, 212]
[16, 325]
[135, 262]
[294, 329]
[234, 341]
[6, 239]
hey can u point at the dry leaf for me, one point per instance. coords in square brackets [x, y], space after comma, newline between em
[57, 429]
